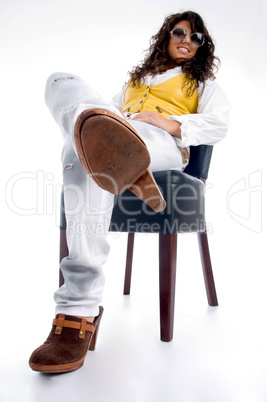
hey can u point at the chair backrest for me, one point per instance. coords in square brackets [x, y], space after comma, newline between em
[199, 162]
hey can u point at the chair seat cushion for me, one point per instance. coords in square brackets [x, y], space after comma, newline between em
[185, 211]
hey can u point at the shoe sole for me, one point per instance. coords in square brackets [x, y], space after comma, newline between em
[110, 151]
[114, 155]
[58, 368]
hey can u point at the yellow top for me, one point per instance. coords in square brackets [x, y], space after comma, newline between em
[167, 98]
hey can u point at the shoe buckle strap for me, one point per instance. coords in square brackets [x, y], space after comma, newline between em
[82, 326]
[59, 323]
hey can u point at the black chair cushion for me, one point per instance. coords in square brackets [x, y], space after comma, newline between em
[185, 211]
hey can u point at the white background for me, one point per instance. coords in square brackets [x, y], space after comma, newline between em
[218, 354]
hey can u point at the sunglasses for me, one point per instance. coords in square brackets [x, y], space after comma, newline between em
[179, 34]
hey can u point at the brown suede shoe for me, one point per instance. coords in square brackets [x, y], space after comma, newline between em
[67, 344]
[115, 156]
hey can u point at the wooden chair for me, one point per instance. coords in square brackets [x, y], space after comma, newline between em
[185, 212]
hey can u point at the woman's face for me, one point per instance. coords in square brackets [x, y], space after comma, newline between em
[182, 49]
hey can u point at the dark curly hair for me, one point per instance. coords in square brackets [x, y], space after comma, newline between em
[197, 69]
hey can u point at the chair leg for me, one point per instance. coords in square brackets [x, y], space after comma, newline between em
[129, 263]
[207, 268]
[63, 252]
[167, 277]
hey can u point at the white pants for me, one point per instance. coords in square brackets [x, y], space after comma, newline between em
[88, 207]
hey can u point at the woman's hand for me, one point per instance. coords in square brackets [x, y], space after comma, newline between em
[171, 126]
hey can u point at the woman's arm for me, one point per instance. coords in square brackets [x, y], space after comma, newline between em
[209, 125]
[171, 126]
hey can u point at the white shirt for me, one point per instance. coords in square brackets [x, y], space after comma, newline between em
[207, 126]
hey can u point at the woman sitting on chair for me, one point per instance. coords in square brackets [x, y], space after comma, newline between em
[171, 101]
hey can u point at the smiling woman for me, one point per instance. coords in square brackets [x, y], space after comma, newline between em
[170, 103]
[180, 44]
[193, 51]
